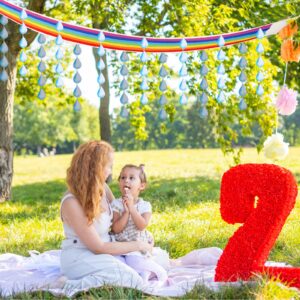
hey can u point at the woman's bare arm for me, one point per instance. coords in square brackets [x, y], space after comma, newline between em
[74, 216]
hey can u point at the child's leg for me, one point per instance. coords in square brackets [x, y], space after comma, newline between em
[146, 267]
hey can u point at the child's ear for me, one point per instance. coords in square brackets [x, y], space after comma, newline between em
[143, 186]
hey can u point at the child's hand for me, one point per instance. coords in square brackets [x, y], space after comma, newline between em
[128, 199]
[125, 205]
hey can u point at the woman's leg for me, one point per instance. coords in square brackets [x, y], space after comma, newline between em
[85, 270]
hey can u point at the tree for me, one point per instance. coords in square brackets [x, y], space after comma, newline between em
[111, 16]
[37, 125]
[7, 89]
[188, 130]
[187, 18]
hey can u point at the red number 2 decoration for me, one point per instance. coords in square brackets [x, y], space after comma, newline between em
[248, 249]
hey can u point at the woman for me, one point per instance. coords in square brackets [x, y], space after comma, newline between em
[87, 252]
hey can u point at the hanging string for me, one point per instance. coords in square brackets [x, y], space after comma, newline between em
[163, 87]
[243, 76]
[144, 72]
[124, 85]
[183, 73]
[101, 66]
[284, 84]
[260, 63]
[41, 66]
[23, 43]
[203, 85]
[59, 56]
[285, 73]
[3, 49]
[77, 78]
[221, 56]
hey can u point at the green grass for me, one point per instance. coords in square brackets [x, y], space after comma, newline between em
[184, 191]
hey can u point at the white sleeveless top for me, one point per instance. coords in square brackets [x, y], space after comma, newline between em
[102, 225]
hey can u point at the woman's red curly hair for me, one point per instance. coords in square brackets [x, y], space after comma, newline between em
[85, 176]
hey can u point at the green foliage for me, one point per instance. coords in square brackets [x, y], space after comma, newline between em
[187, 18]
[52, 121]
[230, 125]
[187, 130]
[107, 15]
[36, 125]
[290, 127]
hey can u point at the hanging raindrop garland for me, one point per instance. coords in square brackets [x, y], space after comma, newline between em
[203, 85]
[23, 43]
[82, 35]
[101, 66]
[59, 56]
[41, 66]
[144, 72]
[77, 77]
[183, 73]
[3, 49]
[243, 76]
[163, 86]
[124, 58]
[260, 63]
[221, 56]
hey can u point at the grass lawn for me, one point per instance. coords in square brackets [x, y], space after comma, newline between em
[184, 192]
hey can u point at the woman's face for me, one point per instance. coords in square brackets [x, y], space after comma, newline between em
[108, 167]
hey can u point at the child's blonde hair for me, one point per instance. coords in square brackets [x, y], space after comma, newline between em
[141, 170]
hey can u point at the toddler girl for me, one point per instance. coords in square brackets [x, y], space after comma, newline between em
[131, 216]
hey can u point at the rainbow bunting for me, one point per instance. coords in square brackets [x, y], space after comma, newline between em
[87, 36]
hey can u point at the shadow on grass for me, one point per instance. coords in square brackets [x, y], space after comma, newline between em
[41, 193]
[179, 192]
[37, 199]
[33, 201]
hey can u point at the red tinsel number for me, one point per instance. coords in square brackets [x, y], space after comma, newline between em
[261, 196]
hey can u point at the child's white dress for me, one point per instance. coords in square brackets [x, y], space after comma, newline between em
[145, 265]
[130, 232]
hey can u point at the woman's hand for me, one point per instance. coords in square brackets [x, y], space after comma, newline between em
[144, 246]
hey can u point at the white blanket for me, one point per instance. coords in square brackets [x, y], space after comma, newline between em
[42, 272]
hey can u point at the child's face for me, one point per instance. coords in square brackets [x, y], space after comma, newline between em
[130, 182]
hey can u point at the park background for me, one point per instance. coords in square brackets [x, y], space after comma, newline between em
[184, 178]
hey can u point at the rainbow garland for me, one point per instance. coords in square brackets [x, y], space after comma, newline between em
[116, 41]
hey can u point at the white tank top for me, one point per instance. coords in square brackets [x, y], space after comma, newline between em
[102, 225]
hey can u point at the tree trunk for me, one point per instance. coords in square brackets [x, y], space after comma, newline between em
[7, 100]
[104, 119]
[6, 125]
